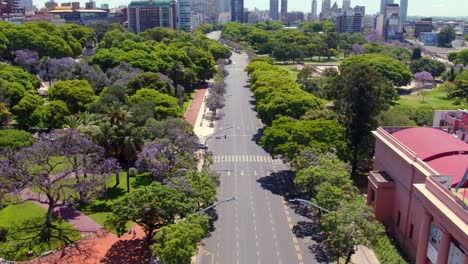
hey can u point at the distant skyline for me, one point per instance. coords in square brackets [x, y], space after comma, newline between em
[453, 8]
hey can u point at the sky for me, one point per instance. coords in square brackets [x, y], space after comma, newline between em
[415, 7]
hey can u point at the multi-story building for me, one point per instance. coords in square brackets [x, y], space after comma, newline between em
[104, 6]
[184, 12]
[453, 121]
[383, 5]
[464, 29]
[237, 11]
[404, 11]
[351, 21]
[425, 25]
[419, 191]
[295, 18]
[223, 6]
[143, 15]
[90, 5]
[284, 10]
[196, 20]
[346, 5]
[50, 5]
[27, 4]
[429, 38]
[274, 9]
[388, 24]
[326, 6]
[313, 15]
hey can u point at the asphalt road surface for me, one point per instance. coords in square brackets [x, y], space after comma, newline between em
[258, 226]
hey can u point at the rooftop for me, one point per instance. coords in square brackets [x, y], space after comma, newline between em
[152, 3]
[443, 152]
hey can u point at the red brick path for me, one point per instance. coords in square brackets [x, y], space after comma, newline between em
[192, 112]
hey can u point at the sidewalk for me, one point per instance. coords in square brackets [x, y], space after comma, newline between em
[83, 223]
[364, 255]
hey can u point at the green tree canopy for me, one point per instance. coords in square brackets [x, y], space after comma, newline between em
[177, 243]
[392, 69]
[77, 94]
[446, 36]
[54, 113]
[362, 94]
[14, 139]
[287, 137]
[166, 105]
[436, 68]
[27, 111]
[148, 80]
[14, 82]
[151, 207]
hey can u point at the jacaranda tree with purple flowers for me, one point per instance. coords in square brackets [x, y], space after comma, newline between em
[61, 168]
[28, 60]
[423, 77]
[358, 49]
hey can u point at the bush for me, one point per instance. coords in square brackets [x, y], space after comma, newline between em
[3, 234]
[389, 251]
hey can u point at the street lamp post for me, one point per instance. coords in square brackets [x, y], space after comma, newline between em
[309, 203]
[216, 204]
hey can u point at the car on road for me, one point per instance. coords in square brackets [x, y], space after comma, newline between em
[202, 146]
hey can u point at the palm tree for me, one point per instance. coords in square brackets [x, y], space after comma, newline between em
[118, 113]
[130, 143]
[177, 74]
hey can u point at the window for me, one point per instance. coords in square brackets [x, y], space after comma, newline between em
[411, 231]
[398, 218]
[372, 197]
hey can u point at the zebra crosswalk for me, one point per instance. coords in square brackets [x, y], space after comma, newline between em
[245, 159]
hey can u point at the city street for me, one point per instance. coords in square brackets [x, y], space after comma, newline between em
[258, 226]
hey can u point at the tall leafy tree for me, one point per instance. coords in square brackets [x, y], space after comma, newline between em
[151, 207]
[362, 94]
[49, 164]
[446, 36]
[177, 243]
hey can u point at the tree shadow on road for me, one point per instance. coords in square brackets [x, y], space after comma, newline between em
[257, 136]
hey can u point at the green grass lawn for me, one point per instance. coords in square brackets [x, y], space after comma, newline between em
[291, 69]
[187, 103]
[436, 98]
[100, 209]
[25, 223]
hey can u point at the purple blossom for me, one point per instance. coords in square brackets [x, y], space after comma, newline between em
[121, 74]
[358, 49]
[70, 69]
[424, 76]
[373, 37]
[28, 60]
[59, 165]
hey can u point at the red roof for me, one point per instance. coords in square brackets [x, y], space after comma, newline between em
[444, 152]
[429, 143]
[454, 165]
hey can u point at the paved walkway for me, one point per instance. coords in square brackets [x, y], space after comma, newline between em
[83, 223]
[192, 112]
[364, 255]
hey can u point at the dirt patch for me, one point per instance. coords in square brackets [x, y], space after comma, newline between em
[103, 247]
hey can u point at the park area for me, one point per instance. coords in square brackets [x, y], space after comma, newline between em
[25, 225]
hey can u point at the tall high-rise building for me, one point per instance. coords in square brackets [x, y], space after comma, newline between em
[27, 4]
[404, 10]
[284, 9]
[383, 5]
[184, 11]
[143, 15]
[351, 21]
[237, 11]
[346, 5]
[314, 10]
[223, 6]
[326, 6]
[274, 9]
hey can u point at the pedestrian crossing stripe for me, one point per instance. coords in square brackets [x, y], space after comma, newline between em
[245, 159]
